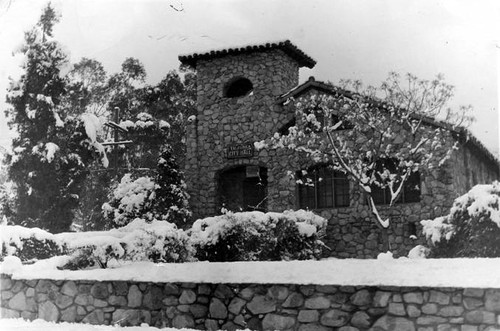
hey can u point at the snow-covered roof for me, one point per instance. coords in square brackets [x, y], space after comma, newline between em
[464, 135]
[290, 49]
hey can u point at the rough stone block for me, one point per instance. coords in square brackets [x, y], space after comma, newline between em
[119, 301]
[294, 300]
[247, 293]
[153, 298]
[187, 297]
[480, 317]
[307, 316]
[335, 318]
[429, 308]
[277, 322]
[69, 315]
[397, 309]
[451, 311]
[171, 289]
[100, 290]
[95, 317]
[472, 303]
[235, 305]
[279, 293]
[381, 299]
[492, 300]
[413, 311]
[473, 292]
[48, 312]
[198, 311]
[391, 323]
[319, 302]
[63, 301]
[329, 289]
[211, 325]
[134, 296]
[430, 320]
[69, 288]
[18, 302]
[261, 304]
[361, 298]
[439, 297]
[217, 309]
[120, 288]
[413, 297]
[183, 321]
[361, 320]
[313, 327]
[223, 292]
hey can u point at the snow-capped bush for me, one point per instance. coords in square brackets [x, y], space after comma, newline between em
[29, 244]
[130, 198]
[471, 229]
[163, 197]
[257, 236]
[156, 241]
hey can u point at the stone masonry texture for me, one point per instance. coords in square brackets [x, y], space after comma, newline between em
[351, 232]
[252, 306]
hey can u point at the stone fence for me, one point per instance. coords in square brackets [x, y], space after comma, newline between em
[252, 306]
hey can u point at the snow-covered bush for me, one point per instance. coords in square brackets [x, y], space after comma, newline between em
[256, 236]
[130, 199]
[162, 198]
[156, 241]
[471, 229]
[29, 244]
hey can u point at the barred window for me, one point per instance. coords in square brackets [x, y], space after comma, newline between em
[322, 187]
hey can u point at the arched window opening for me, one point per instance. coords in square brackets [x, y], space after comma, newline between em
[323, 187]
[239, 87]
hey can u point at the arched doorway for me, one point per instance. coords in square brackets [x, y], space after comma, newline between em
[243, 188]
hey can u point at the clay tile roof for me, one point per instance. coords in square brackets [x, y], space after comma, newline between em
[290, 49]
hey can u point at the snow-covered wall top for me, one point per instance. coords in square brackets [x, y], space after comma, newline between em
[478, 273]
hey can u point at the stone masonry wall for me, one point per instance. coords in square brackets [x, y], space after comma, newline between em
[252, 306]
[223, 121]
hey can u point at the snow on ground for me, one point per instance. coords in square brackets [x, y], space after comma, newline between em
[388, 272]
[18, 324]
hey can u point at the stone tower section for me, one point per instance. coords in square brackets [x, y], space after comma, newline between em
[237, 105]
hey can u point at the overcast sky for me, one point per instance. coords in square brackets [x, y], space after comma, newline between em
[357, 39]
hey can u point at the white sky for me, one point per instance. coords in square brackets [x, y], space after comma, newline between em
[360, 39]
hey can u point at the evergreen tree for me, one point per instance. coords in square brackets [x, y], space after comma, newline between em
[49, 154]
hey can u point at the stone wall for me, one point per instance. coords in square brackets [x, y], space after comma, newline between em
[252, 306]
[221, 122]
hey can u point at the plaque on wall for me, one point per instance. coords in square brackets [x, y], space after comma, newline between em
[238, 151]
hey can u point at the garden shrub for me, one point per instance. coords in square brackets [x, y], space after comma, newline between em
[471, 229]
[29, 244]
[156, 241]
[256, 236]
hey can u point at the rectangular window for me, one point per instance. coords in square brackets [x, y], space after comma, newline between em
[323, 187]
[410, 192]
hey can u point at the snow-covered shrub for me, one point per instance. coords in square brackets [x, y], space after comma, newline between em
[29, 243]
[162, 198]
[257, 236]
[156, 241]
[131, 198]
[471, 229]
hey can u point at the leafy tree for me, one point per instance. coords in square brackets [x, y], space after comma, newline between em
[378, 137]
[49, 154]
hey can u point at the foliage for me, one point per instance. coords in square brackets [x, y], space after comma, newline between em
[471, 229]
[156, 241]
[378, 137]
[255, 236]
[52, 150]
[162, 198]
[30, 244]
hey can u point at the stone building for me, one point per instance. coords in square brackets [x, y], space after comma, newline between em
[241, 100]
